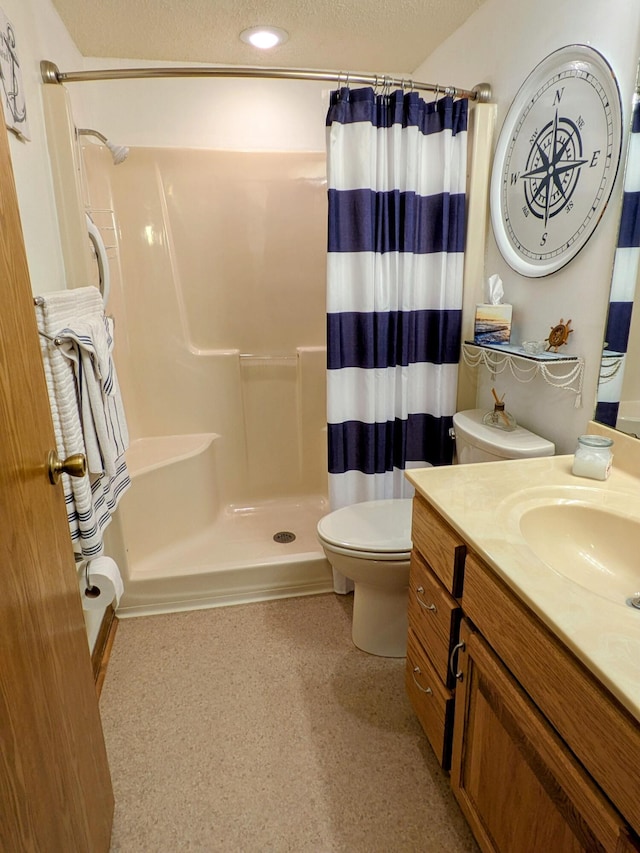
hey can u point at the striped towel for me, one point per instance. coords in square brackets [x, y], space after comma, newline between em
[88, 345]
[90, 500]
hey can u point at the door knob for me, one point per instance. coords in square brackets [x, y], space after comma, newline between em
[74, 465]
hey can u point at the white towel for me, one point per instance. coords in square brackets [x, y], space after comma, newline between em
[90, 500]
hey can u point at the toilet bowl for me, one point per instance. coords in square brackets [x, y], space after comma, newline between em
[477, 442]
[370, 543]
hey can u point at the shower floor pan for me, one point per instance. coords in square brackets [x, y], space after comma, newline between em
[198, 554]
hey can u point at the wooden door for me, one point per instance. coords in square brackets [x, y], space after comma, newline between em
[518, 785]
[55, 788]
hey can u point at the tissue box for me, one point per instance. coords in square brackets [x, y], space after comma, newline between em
[493, 324]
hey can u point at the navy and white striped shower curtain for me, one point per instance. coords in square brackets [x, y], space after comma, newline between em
[396, 183]
[623, 284]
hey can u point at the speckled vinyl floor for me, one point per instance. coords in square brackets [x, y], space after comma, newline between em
[261, 727]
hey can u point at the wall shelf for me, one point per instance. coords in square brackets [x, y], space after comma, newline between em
[560, 371]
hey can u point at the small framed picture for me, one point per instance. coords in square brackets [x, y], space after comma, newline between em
[13, 101]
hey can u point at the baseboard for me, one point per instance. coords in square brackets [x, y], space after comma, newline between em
[102, 647]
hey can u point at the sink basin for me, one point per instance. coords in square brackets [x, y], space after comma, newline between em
[593, 547]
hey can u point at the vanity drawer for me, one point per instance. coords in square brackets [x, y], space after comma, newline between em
[443, 550]
[430, 699]
[572, 699]
[434, 616]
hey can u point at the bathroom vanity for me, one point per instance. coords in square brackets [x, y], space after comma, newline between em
[526, 678]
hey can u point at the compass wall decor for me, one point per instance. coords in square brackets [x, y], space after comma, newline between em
[556, 160]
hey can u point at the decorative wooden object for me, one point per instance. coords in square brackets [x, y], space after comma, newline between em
[559, 335]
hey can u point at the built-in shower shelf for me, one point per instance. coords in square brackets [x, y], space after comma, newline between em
[560, 371]
[148, 454]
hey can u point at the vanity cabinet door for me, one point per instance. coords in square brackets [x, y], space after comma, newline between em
[602, 735]
[518, 785]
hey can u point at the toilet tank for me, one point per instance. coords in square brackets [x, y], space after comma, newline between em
[477, 442]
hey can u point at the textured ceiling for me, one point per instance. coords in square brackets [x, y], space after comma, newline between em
[356, 35]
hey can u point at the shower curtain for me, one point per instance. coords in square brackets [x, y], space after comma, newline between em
[396, 184]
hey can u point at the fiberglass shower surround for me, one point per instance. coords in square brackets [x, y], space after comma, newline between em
[228, 415]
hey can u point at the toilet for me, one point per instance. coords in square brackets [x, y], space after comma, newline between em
[370, 542]
[477, 442]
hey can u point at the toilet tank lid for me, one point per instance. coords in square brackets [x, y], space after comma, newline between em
[521, 443]
[383, 526]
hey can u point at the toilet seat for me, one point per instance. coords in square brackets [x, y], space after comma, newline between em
[374, 530]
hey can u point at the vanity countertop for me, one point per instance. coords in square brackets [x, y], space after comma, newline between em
[480, 501]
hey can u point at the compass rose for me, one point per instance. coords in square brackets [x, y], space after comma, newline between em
[556, 160]
[553, 168]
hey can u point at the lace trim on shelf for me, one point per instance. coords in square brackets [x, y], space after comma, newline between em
[525, 368]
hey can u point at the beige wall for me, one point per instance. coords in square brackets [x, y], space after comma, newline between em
[501, 44]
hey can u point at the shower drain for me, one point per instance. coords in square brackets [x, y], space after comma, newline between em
[634, 601]
[284, 536]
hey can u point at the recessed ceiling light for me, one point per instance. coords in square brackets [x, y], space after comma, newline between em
[264, 37]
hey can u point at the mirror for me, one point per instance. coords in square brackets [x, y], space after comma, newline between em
[618, 402]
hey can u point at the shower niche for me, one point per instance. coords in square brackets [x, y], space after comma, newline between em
[217, 267]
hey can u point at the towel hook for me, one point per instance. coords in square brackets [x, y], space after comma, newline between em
[58, 340]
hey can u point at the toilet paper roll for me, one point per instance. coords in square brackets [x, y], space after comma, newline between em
[105, 584]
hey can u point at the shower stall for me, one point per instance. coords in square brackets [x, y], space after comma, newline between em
[217, 262]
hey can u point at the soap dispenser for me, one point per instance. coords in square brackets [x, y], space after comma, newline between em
[499, 417]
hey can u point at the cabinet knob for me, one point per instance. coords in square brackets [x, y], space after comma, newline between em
[424, 605]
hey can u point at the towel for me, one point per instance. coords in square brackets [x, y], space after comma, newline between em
[88, 345]
[90, 500]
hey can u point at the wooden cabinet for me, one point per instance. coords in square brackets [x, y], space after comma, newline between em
[519, 786]
[542, 756]
[597, 729]
[435, 576]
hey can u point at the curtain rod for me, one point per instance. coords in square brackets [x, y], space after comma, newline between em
[52, 74]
